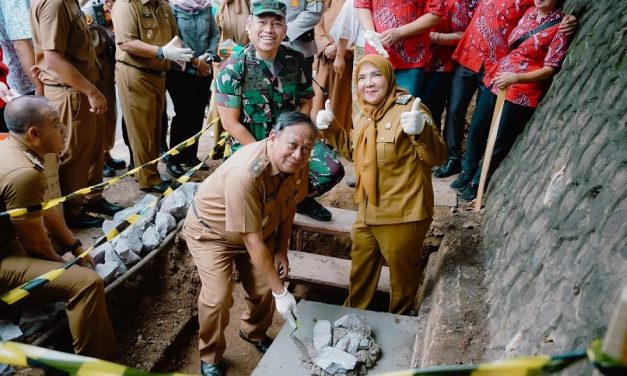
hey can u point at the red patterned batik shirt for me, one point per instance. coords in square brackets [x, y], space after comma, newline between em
[545, 49]
[485, 40]
[457, 15]
[406, 53]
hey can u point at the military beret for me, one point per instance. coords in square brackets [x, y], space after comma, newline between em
[268, 6]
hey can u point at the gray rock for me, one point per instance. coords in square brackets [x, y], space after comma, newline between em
[354, 322]
[190, 189]
[98, 254]
[322, 336]
[9, 331]
[364, 344]
[342, 343]
[122, 215]
[107, 271]
[123, 250]
[334, 361]
[164, 223]
[36, 317]
[354, 340]
[133, 236]
[175, 204]
[150, 240]
[6, 370]
[112, 256]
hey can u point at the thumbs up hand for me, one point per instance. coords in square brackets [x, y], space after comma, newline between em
[324, 117]
[412, 121]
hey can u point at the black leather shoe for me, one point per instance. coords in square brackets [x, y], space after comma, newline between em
[103, 207]
[159, 188]
[108, 172]
[351, 182]
[84, 220]
[262, 345]
[462, 181]
[207, 369]
[470, 192]
[174, 169]
[312, 208]
[451, 167]
[194, 162]
[116, 164]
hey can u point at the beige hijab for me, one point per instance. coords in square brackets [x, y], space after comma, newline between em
[365, 148]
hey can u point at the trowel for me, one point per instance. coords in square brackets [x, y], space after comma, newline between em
[301, 346]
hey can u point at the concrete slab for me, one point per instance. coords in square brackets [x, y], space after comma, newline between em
[327, 270]
[395, 335]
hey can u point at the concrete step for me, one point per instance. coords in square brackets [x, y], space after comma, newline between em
[326, 270]
[453, 311]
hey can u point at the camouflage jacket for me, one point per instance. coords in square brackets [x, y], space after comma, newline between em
[246, 82]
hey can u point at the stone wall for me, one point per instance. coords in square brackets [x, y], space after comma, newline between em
[556, 211]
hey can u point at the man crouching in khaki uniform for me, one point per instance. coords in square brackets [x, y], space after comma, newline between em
[244, 212]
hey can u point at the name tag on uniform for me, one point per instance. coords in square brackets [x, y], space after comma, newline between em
[403, 99]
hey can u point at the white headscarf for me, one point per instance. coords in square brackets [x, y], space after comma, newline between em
[190, 6]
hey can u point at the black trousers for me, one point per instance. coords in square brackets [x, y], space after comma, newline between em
[464, 84]
[513, 121]
[436, 91]
[190, 96]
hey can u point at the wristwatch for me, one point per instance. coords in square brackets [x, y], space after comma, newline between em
[160, 55]
[74, 247]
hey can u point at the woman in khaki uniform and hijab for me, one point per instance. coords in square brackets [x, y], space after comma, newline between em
[396, 146]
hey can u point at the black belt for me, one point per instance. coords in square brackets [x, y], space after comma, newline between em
[155, 72]
[55, 85]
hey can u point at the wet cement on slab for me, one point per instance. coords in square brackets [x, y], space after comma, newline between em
[395, 335]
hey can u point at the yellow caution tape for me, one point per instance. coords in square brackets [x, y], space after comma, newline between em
[25, 289]
[21, 355]
[17, 212]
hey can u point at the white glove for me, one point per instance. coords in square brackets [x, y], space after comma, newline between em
[324, 117]
[286, 306]
[374, 39]
[174, 51]
[412, 121]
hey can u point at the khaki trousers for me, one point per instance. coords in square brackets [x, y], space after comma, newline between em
[214, 261]
[82, 159]
[142, 98]
[83, 291]
[400, 245]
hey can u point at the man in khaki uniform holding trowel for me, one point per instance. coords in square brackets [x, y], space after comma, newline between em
[146, 38]
[243, 213]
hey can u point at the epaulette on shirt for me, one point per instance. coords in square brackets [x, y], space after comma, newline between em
[403, 99]
[37, 165]
[258, 165]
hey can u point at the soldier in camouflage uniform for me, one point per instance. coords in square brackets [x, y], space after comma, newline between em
[263, 80]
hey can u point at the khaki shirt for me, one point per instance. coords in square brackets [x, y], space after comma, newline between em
[144, 20]
[403, 169]
[59, 25]
[247, 193]
[22, 183]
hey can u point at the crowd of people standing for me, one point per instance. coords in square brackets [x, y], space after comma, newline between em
[283, 94]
